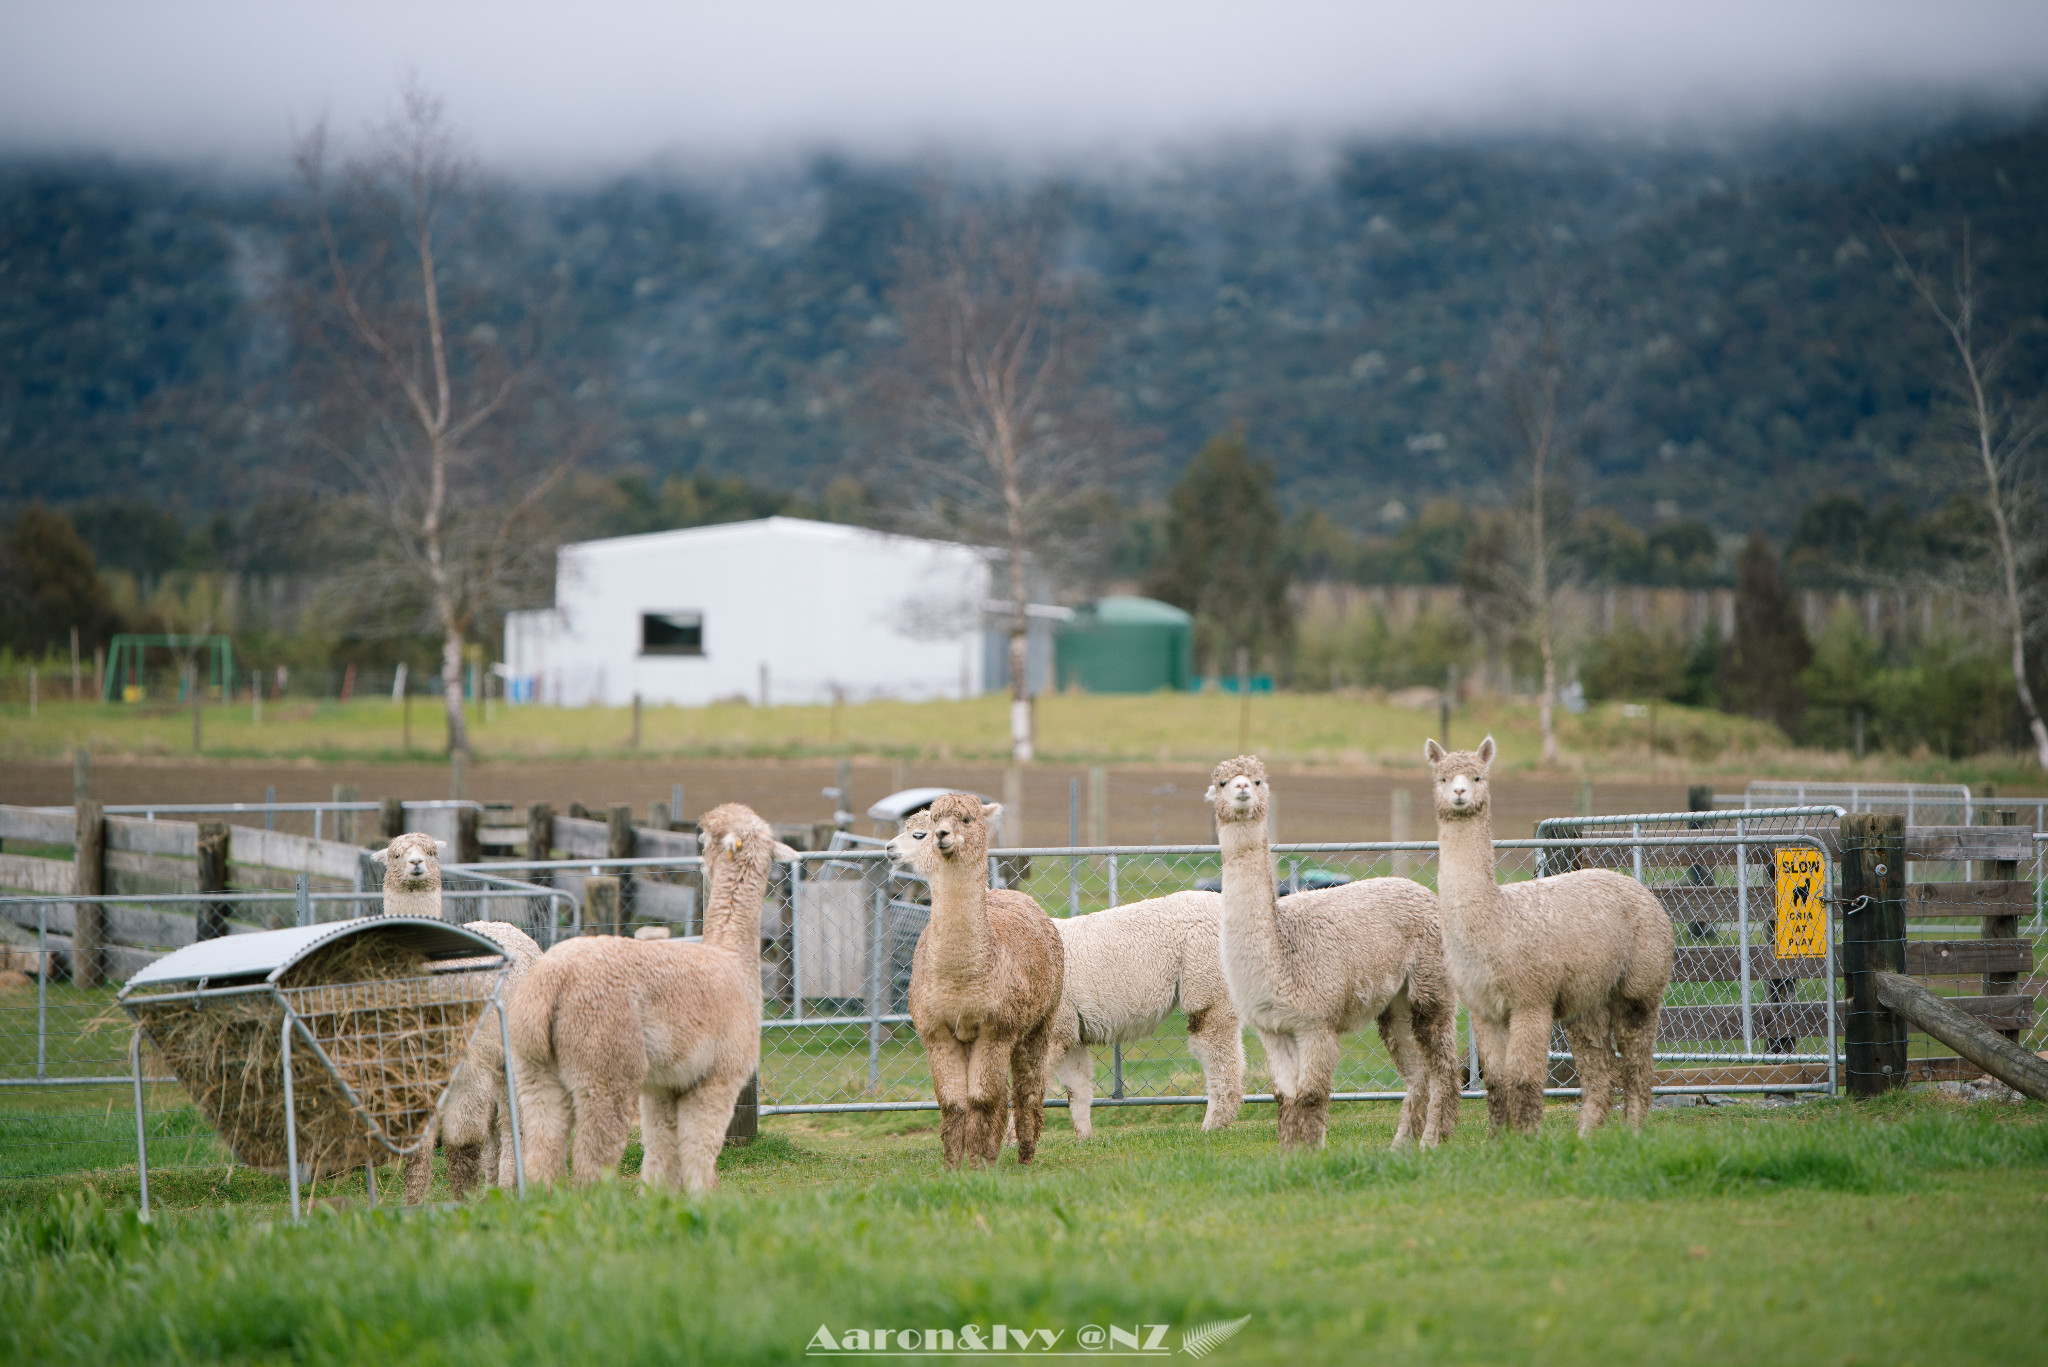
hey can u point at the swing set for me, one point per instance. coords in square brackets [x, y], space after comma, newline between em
[127, 664]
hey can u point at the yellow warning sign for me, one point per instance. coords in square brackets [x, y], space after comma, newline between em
[1802, 905]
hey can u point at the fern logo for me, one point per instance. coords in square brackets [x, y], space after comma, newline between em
[1199, 1340]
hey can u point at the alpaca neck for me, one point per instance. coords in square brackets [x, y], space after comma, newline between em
[962, 943]
[1466, 889]
[732, 907]
[1250, 922]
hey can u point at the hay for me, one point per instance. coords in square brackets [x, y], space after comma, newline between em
[393, 1033]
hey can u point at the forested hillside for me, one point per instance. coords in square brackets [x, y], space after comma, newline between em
[1739, 328]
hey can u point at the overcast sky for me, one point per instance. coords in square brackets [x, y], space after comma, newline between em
[600, 83]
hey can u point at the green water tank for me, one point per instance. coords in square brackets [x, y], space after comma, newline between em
[1126, 645]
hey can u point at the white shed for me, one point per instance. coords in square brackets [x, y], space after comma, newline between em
[796, 610]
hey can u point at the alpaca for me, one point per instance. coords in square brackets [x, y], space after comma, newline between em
[1125, 970]
[601, 1017]
[474, 1124]
[985, 985]
[412, 875]
[1310, 967]
[1591, 950]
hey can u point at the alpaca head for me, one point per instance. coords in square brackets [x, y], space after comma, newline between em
[953, 832]
[412, 862]
[1238, 790]
[736, 836]
[1460, 779]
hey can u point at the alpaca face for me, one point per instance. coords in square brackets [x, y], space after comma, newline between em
[1238, 790]
[736, 834]
[958, 828]
[414, 860]
[1460, 779]
[905, 845]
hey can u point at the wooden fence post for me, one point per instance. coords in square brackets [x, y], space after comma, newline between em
[469, 840]
[1873, 864]
[345, 822]
[601, 905]
[391, 821]
[621, 843]
[2001, 927]
[212, 921]
[540, 837]
[89, 879]
[746, 1114]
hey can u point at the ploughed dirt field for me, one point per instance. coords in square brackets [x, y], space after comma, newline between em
[1147, 804]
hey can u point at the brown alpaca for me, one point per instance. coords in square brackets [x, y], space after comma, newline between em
[984, 985]
[1590, 949]
[1306, 969]
[601, 1019]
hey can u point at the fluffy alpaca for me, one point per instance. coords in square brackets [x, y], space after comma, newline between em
[1125, 970]
[985, 984]
[474, 1124]
[1590, 949]
[600, 1018]
[1310, 967]
[412, 875]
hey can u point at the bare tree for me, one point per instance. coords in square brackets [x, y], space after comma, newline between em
[427, 373]
[1534, 373]
[1998, 434]
[990, 369]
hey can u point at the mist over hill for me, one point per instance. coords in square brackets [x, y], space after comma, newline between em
[1736, 302]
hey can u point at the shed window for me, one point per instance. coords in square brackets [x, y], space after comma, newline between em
[671, 633]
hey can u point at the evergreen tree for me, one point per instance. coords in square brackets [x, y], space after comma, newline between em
[1760, 671]
[48, 585]
[1223, 558]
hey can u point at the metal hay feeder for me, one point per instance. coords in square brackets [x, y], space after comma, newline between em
[362, 1024]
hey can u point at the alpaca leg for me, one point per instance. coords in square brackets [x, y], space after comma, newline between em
[1281, 1061]
[1029, 1067]
[1491, 1039]
[947, 1058]
[1528, 1064]
[1635, 1038]
[1397, 1032]
[1592, 1042]
[546, 1112]
[1217, 1042]
[1316, 1052]
[488, 1152]
[988, 1076]
[702, 1116]
[658, 1139]
[604, 1123]
[419, 1165]
[1436, 1034]
[465, 1168]
[1076, 1072]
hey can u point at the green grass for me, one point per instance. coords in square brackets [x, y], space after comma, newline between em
[1906, 1231]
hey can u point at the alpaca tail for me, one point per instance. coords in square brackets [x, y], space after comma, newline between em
[533, 1010]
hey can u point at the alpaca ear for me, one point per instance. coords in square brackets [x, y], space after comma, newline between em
[440, 847]
[1432, 752]
[379, 856]
[1486, 752]
[991, 811]
[783, 853]
[1210, 796]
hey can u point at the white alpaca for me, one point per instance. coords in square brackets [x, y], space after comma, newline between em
[1308, 968]
[1127, 968]
[602, 1019]
[412, 875]
[1591, 950]
[474, 1124]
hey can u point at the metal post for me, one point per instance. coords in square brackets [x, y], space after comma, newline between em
[1636, 829]
[319, 812]
[796, 952]
[1834, 1035]
[291, 1119]
[1114, 900]
[42, 989]
[1742, 934]
[1073, 839]
[370, 1181]
[1116, 1070]
[304, 905]
[511, 1095]
[141, 1133]
[269, 805]
[875, 945]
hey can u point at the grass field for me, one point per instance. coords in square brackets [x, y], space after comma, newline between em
[1903, 1231]
[1349, 729]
